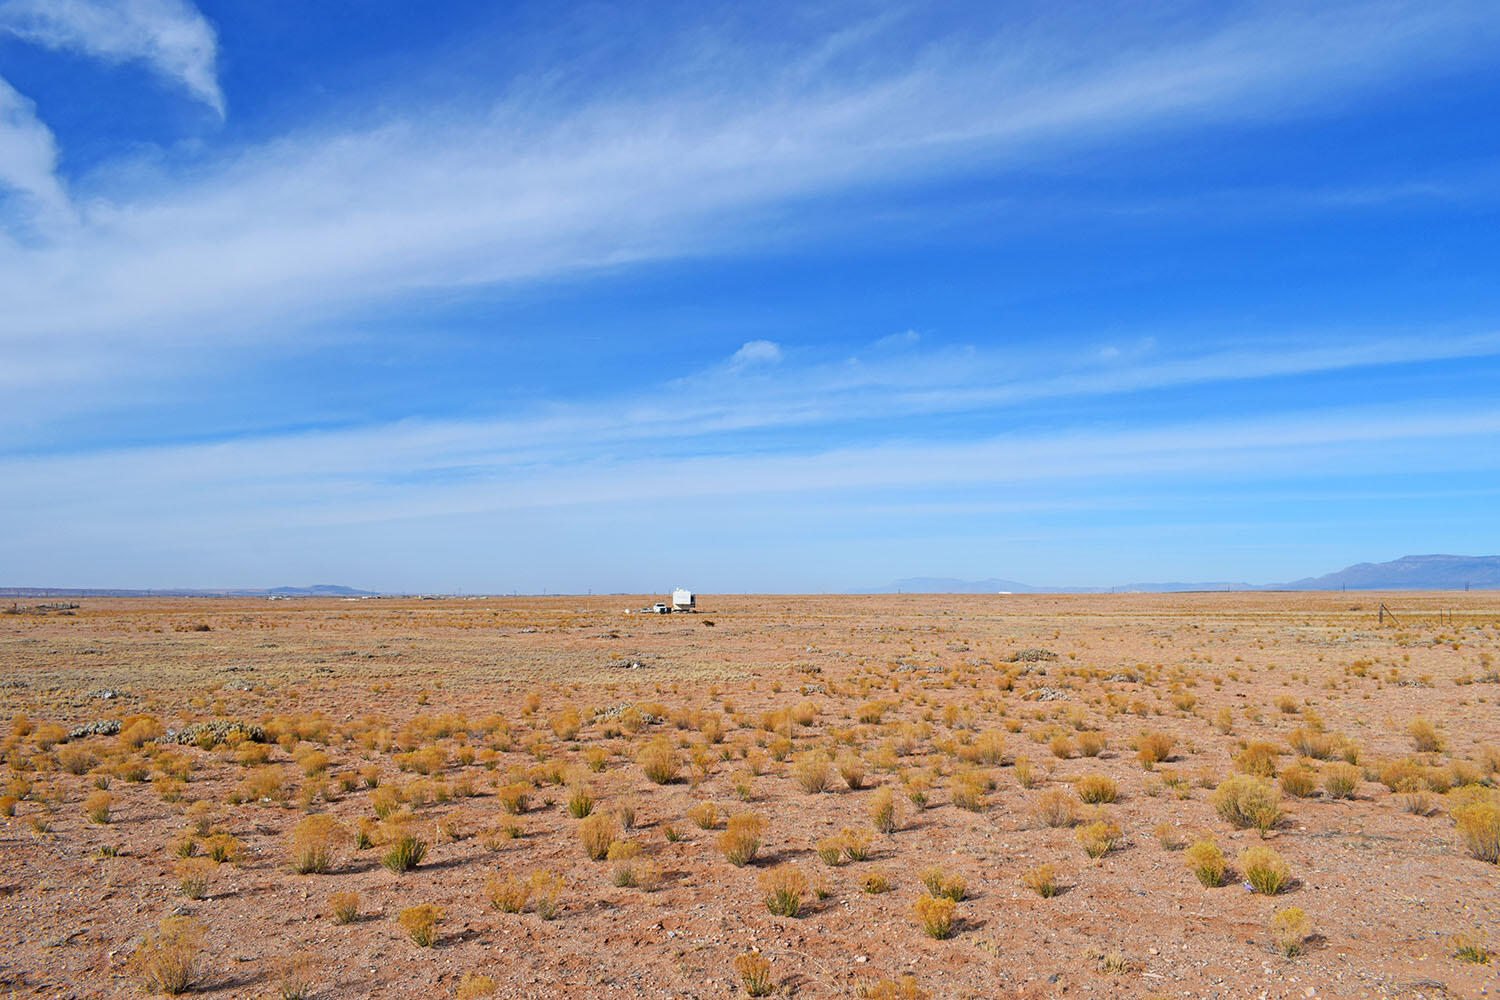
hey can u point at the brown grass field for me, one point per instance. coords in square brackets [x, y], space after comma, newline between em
[954, 797]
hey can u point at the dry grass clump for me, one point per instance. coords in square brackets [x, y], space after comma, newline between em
[875, 883]
[514, 798]
[507, 893]
[905, 988]
[812, 772]
[420, 923]
[580, 800]
[1097, 789]
[474, 986]
[404, 850]
[1258, 758]
[936, 915]
[1299, 781]
[883, 809]
[705, 816]
[596, 833]
[1264, 869]
[1341, 781]
[295, 976]
[1206, 861]
[659, 760]
[944, 884]
[1055, 808]
[1470, 949]
[313, 842]
[1478, 825]
[1153, 747]
[344, 906]
[852, 769]
[754, 971]
[1289, 928]
[782, 888]
[968, 791]
[740, 841]
[1041, 880]
[1246, 801]
[1099, 838]
[194, 876]
[169, 960]
[1424, 736]
[622, 855]
[98, 805]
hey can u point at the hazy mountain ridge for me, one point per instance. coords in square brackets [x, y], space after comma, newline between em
[316, 590]
[1425, 572]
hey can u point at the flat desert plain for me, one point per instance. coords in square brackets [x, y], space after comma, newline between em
[1206, 795]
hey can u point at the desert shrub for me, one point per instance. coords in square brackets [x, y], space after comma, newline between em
[596, 833]
[1264, 869]
[420, 923]
[1096, 789]
[989, 748]
[344, 907]
[883, 809]
[905, 988]
[1299, 781]
[1246, 801]
[1098, 838]
[856, 843]
[97, 805]
[875, 883]
[1478, 825]
[1055, 807]
[944, 884]
[1340, 781]
[740, 840]
[852, 769]
[1166, 835]
[830, 851]
[1091, 743]
[1401, 775]
[622, 855]
[1025, 772]
[1289, 928]
[404, 850]
[567, 723]
[812, 773]
[1206, 861]
[705, 816]
[169, 960]
[1286, 704]
[936, 915]
[1310, 742]
[580, 801]
[1470, 949]
[754, 971]
[194, 876]
[223, 848]
[968, 791]
[546, 890]
[1424, 736]
[507, 893]
[659, 760]
[782, 888]
[1041, 880]
[871, 713]
[1061, 746]
[1153, 747]
[1258, 759]
[313, 842]
[75, 760]
[514, 798]
[474, 986]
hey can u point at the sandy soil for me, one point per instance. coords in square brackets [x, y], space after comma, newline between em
[1386, 889]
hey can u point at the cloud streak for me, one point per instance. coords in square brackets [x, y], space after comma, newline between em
[272, 240]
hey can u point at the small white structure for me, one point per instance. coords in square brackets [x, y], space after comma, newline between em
[682, 600]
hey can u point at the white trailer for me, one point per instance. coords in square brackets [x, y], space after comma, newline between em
[683, 600]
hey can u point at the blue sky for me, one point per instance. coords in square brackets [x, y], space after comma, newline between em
[545, 297]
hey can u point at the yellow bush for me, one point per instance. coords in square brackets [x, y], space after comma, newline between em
[740, 841]
[1264, 869]
[420, 923]
[1206, 861]
[936, 916]
[168, 961]
[1246, 801]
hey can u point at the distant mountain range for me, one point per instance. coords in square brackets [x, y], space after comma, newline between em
[317, 590]
[1434, 572]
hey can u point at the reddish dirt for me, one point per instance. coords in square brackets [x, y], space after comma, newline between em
[1386, 890]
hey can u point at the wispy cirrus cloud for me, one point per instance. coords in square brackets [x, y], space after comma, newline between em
[270, 240]
[171, 37]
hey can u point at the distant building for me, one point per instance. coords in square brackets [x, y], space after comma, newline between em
[683, 600]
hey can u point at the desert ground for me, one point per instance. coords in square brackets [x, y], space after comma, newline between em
[1204, 795]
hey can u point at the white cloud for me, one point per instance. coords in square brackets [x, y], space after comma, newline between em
[28, 155]
[755, 353]
[898, 341]
[271, 240]
[170, 36]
